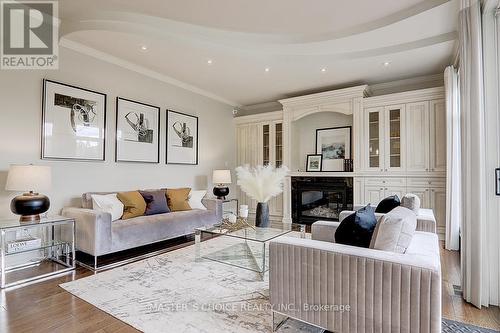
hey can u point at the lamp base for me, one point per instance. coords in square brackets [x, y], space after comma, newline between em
[221, 192]
[29, 218]
[30, 206]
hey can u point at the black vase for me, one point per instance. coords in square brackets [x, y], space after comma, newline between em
[262, 215]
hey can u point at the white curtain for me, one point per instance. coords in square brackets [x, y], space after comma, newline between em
[453, 160]
[473, 264]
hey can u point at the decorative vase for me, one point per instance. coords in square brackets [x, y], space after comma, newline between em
[262, 215]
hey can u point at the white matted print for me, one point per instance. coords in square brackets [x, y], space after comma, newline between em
[137, 132]
[73, 122]
[182, 138]
[335, 146]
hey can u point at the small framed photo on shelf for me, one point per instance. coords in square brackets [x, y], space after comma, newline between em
[314, 162]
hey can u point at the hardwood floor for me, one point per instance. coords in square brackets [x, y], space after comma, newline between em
[45, 307]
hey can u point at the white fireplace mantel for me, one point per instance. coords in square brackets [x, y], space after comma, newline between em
[346, 101]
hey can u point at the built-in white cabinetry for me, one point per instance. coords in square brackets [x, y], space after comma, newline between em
[417, 133]
[260, 142]
[437, 136]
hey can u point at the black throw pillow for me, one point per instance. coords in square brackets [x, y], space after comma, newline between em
[388, 204]
[357, 228]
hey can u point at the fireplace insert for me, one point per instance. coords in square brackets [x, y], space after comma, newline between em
[320, 198]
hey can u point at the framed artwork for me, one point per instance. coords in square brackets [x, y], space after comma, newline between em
[137, 132]
[335, 146]
[182, 138]
[73, 123]
[314, 162]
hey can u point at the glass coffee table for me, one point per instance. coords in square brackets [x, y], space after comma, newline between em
[247, 248]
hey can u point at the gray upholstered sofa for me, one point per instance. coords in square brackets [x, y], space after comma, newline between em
[97, 235]
[344, 288]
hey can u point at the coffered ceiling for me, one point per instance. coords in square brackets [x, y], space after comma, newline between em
[246, 52]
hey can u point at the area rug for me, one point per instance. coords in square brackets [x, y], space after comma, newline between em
[451, 326]
[175, 292]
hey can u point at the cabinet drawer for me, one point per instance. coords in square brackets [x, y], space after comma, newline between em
[384, 182]
[426, 182]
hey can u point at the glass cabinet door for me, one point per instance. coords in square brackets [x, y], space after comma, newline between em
[266, 152]
[374, 138]
[278, 144]
[394, 123]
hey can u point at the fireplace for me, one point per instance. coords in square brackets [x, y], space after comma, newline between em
[320, 198]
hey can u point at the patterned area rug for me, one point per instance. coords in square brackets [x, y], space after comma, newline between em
[174, 292]
[450, 326]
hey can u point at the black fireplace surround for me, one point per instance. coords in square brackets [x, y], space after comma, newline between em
[320, 198]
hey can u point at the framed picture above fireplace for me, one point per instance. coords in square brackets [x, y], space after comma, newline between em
[314, 162]
[335, 145]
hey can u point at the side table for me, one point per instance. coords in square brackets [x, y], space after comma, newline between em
[35, 250]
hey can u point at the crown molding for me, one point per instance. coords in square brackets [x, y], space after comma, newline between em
[327, 97]
[405, 97]
[259, 117]
[384, 88]
[86, 50]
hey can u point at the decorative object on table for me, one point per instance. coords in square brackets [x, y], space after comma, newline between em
[31, 178]
[230, 226]
[73, 122]
[261, 183]
[244, 211]
[314, 162]
[497, 181]
[220, 178]
[348, 165]
[335, 146]
[182, 138]
[23, 244]
[137, 132]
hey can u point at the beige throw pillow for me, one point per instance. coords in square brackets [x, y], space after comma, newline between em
[395, 230]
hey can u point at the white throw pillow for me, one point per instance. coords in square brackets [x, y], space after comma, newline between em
[108, 203]
[195, 198]
[411, 201]
[395, 230]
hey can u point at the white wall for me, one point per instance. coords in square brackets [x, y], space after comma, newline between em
[304, 135]
[20, 112]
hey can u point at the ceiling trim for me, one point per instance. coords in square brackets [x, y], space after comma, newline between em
[327, 97]
[83, 49]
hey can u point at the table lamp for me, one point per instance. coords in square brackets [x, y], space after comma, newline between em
[29, 178]
[220, 178]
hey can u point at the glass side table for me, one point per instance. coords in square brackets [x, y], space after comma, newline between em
[35, 250]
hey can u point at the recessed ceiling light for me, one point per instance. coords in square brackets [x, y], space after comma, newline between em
[209, 61]
[323, 70]
[144, 47]
[386, 63]
[267, 69]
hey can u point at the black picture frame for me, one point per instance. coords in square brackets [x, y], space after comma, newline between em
[158, 130]
[168, 131]
[43, 155]
[320, 162]
[350, 146]
[497, 181]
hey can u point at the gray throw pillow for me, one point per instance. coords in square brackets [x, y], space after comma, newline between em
[411, 201]
[395, 231]
[156, 202]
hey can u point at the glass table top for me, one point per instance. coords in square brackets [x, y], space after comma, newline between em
[257, 234]
[15, 223]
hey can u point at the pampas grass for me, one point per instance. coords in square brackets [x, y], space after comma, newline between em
[262, 182]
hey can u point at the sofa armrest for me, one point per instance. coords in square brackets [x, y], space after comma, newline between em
[383, 291]
[93, 230]
[214, 205]
[324, 231]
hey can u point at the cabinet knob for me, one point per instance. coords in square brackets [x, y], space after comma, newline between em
[426, 169]
[386, 188]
